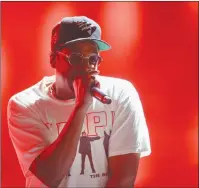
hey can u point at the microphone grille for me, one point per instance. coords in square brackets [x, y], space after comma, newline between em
[107, 100]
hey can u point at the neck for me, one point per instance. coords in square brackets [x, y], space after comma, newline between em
[62, 89]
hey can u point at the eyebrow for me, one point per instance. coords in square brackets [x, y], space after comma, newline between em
[91, 51]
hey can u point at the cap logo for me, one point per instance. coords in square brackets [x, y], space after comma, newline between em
[86, 27]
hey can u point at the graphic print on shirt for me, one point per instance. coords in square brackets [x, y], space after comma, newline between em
[106, 142]
[96, 128]
[93, 142]
[85, 150]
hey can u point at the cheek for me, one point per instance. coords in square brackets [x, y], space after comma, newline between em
[62, 66]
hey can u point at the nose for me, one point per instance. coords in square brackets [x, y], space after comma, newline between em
[87, 65]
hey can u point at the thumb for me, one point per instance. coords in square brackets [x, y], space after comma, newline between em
[94, 82]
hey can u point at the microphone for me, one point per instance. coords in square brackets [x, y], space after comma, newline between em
[100, 95]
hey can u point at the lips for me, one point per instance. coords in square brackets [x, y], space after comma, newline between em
[93, 72]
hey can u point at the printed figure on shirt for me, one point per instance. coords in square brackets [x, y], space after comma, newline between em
[106, 142]
[85, 150]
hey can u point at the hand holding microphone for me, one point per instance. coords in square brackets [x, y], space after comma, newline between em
[86, 88]
[81, 88]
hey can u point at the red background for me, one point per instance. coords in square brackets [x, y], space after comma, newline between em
[154, 45]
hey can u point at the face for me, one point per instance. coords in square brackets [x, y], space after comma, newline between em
[68, 71]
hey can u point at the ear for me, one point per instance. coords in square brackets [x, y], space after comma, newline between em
[53, 59]
[52, 63]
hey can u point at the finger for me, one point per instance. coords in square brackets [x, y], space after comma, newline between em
[94, 82]
[77, 84]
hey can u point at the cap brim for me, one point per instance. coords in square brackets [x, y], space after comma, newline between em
[102, 45]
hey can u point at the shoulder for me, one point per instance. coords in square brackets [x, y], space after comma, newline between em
[113, 80]
[117, 87]
[29, 96]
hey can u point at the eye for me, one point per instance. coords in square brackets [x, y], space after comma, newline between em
[94, 60]
[75, 59]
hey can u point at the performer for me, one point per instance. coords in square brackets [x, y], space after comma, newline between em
[46, 120]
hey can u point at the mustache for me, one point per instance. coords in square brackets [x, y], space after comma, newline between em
[93, 72]
[85, 74]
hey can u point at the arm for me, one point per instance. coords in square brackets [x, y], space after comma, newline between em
[53, 163]
[123, 170]
[94, 138]
[129, 139]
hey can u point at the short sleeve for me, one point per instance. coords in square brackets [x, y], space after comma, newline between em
[28, 135]
[130, 132]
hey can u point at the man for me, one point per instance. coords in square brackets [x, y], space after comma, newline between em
[85, 150]
[46, 120]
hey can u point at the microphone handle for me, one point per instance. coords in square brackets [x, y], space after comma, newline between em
[102, 97]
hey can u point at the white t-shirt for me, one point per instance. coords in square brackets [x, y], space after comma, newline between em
[36, 119]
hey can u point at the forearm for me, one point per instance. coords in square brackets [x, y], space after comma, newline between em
[55, 161]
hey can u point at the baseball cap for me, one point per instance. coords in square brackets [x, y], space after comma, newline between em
[76, 29]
